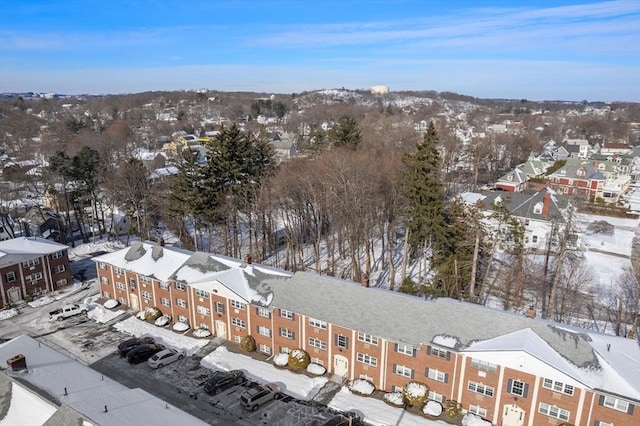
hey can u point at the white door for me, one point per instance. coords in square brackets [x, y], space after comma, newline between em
[13, 294]
[340, 365]
[221, 329]
[134, 302]
[513, 415]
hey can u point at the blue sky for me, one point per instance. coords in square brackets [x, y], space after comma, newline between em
[538, 50]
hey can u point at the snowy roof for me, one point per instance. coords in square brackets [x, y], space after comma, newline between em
[21, 249]
[524, 205]
[88, 391]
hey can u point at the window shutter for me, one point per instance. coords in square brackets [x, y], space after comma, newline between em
[601, 401]
[509, 385]
[446, 377]
[596, 423]
[428, 350]
[346, 343]
[426, 372]
[448, 355]
[395, 347]
[525, 390]
[630, 410]
[414, 352]
[413, 374]
[335, 339]
[293, 335]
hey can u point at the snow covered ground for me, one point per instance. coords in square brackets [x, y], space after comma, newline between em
[27, 408]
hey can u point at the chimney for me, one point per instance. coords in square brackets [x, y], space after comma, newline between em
[531, 313]
[161, 242]
[365, 281]
[18, 362]
[247, 259]
[546, 203]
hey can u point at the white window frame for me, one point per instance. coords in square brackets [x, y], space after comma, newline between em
[56, 255]
[144, 279]
[183, 319]
[286, 314]
[163, 285]
[102, 265]
[478, 411]
[406, 349]
[285, 350]
[121, 286]
[203, 310]
[31, 262]
[554, 411]
[104, 280]
[220, 308]
[106, 294]
[235, 304]
[342, 341]
[146, 295]
[238, 322]
[11, 276]
[202, 293]
[264, 313]
[480, 388]
[119, 271]
[435, 396]
[437, 352]
[181, 302]
[616, 403]
[59, 269]
[165, 302]
[517, 387]
[264, 331]
[318, 323]
[367, 338]
[403, 371]
[557, 386]
[180, 286]
[62, 281]
[317, 343]
[367, 359]
[437, 375]
[264, 348]
[484, 365]
[316, 360]
[286, 333]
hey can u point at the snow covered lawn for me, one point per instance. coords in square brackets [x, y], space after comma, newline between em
[296, 385]
[170, 339]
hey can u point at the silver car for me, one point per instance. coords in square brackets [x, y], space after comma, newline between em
[254, 397]
[164, 357]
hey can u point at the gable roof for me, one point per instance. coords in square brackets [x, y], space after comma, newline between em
[21, 249]
[523, 205]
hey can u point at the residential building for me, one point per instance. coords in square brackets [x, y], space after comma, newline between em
[513, 181]
[506, 367]
[579, 178]
[32, 267]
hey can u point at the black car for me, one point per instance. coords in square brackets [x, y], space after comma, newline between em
[221, 380]
[125, 347]
[143, 352]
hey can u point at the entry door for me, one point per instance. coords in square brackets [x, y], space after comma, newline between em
[513, 415]
[221, 329]
[13, 294]
[134, 302]
[340, 365]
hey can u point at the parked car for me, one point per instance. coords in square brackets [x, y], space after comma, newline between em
[125, 347]
[67, 311]
[143, 352]
[164, 357]
[221, 380]
[254, 397]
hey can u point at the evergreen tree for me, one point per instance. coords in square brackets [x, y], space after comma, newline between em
[346, 133]
[425, 195]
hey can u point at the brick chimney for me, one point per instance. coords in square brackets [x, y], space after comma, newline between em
[247, 259]
[531, 312]
[18, 362]
[546, 203]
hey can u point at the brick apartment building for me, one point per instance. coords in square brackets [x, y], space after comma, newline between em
[507, 368]
[32, 267]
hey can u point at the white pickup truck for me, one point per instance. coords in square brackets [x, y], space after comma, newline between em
[67, 311]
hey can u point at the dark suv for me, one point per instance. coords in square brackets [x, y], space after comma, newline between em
[143, 352]
[221, 380]
[134, 342]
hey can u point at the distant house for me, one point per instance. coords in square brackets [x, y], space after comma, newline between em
[513, 181]
[32, 267]
[615, 148]
[580, 179]
[579, 147]
[283, 146]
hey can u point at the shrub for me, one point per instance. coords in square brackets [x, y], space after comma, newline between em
[415, 393]
[281, 360]
[393, 398]
[149, 314]
[298, 359]
[361, 387]
[248, 344]
[316, 369]
[452, 408]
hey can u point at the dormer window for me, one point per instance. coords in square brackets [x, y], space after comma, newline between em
[581, 172]
[537, 209]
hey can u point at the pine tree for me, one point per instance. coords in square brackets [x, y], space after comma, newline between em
[346, 133]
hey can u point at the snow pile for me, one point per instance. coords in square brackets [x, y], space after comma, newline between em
[394, 398]
[432, 408]
[163, 320]
[111, 303]
[281, 360]
[361, 387]
[446, 341]
[416, 390]
[102, 315]
[168, 338]
[8, 313]
[296, 385]
[201, 332]
[316, 369]
[180, 326]
[41, 301]
[88, 249]
[473, 420]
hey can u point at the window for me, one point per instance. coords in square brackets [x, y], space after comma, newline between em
[181, 302]
[33, 277]
[405, 349]
[146, 295]
[601, 423]
[204, 325]
[202, 293]
[478, 411]
[480, 388]
[30, 263]
[367, 338]
[121, 300]
[238, 322]
[396, 388]
[286, 314]
[317, 343]
[119, 271]
[264, 331]
[401, 370]
[285, 332]
[615, 403]
[56, 255]
[342, 341]
[517, 387]
[183, 319]
[317, 323]
[236, 305]
[132, 282]
[104, 280]
[180, 286]
[61, 282]
[553, 411]
[440, 353]
[534, 239]
[264, 313]
[237, 339]
[220, 308]
[163, 285]
[367, 359]
[284, 350]
[557, 386]
[144, 279]
[102, 265]
[106, 295]
[435, 396]
[436, 375]
[483, 365]
[203, 311]
[11, 276]
[264, 349]
[165, 302]
[318, 361]
[121, 286]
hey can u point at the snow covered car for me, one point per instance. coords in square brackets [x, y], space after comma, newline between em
[67, 311]
[255, 397]
[164, 357]
[221, 380]
[128, 345]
